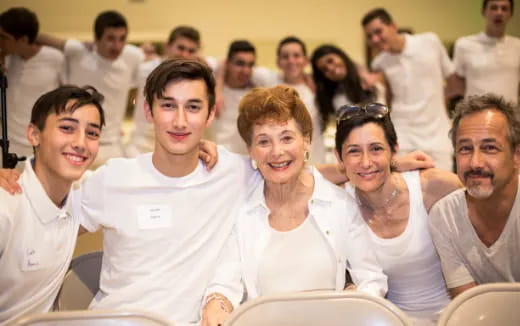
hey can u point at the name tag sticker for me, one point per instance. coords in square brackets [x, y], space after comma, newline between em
[32, 259]
[154, 216]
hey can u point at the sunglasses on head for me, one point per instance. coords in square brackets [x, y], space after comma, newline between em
[347, 112]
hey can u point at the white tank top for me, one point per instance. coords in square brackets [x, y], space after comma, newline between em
[297, 260]
[415, 281]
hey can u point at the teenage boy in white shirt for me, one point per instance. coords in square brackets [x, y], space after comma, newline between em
[31, 70]
[37, 227]
[489, 62]
[415, 68]
[111, 67]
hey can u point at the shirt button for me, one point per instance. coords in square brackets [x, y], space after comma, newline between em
[327, 232]
[312, 201]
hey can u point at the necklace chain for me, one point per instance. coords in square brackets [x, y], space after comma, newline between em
[364, 203]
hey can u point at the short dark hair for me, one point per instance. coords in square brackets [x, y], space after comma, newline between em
[106, 19]
[479, 103]
[56, 101]
[176, 70]
[380, 13]
[20, 22]
[184, 31]
[291, 39]
[345, 127]
[485, 2]
[240, 46]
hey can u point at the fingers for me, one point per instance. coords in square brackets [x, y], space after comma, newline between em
[9, 181]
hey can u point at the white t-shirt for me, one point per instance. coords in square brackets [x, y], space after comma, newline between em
[27, 81]
[225, 128]
[416, 77]
[113, 79]
[162, 236]
[36, 243]
[464, 257]
[268, 78]
[489, 64]
[338, 220]
[415, 281]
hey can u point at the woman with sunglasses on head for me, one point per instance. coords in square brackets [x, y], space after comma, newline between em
[395, 207]
[338, 82]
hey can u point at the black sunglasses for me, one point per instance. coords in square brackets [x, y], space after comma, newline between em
[347, 112]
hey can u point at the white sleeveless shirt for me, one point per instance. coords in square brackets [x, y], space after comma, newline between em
[415, 280]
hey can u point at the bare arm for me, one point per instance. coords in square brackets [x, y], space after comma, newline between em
[436, 184]
[459, 289]
[455, 85]
[52, 41]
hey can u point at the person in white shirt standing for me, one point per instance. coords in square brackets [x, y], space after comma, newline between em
[477, 229]
[31, 70]
[415, 68]
[111, 67]
[37, 227]
[237, 75]
[489, 62]
[184, 42]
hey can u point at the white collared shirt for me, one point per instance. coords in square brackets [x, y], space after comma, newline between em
[36, 243]
[489, 64]
[162, 235]
[339, 222]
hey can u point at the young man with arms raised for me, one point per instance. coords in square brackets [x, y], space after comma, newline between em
[477, 229]
[31, 70]
[38, 229]
[415, 68]
[111, 67]
[490, 61]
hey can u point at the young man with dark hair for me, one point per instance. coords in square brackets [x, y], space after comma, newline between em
[184, 43]
[31, 70]
[111, 67]
[490, 61]
[166, 226]
[38, 229]
[236, 82]
[415, 68]
[477, 229]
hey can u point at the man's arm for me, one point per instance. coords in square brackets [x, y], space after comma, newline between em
[459, 289]
[52, 41]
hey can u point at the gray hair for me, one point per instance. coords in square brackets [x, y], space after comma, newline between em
[479, 103]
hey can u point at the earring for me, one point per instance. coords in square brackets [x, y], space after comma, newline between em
[306, 156]
[254, 165]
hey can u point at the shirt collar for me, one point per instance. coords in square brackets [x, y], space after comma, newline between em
[321, 194]
[41, 204]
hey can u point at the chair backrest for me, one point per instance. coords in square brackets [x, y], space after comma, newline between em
[94, 318]
[319, 309]
[484, 305]
[81, 282]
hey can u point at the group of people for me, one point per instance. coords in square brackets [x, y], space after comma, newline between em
[192, 238]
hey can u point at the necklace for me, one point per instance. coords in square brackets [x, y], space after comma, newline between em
[364, 203]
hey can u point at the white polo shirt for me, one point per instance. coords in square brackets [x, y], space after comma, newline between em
[489, 64]
[112, 78]
[416, 77]
[36, 244]
[28, 80]
[162, 235]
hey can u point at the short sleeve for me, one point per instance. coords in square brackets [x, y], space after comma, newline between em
[453, 267]
[134, 58]
[446, 65]
[458, 58]
[74, 48]
[264, 77]
[88, 200]
[5, 220]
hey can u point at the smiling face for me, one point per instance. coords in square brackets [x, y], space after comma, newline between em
[292, 61]
[278, 149]
[112, 42]
[497, 14]
[366, 157]
[67, 145]
[182, 47]
[332, 67]
[380, 35]
[180, 117]
[239, 69]
[485, 162]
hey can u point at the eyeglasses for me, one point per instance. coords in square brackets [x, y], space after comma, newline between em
[347, 112]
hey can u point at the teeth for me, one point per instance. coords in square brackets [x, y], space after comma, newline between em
[365, 174]
[280, 165]
[75, 158]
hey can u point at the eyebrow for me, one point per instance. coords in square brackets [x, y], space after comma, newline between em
[167, 98]
[95, 125]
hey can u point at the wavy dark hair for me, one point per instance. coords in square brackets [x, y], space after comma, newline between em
[326, 88]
